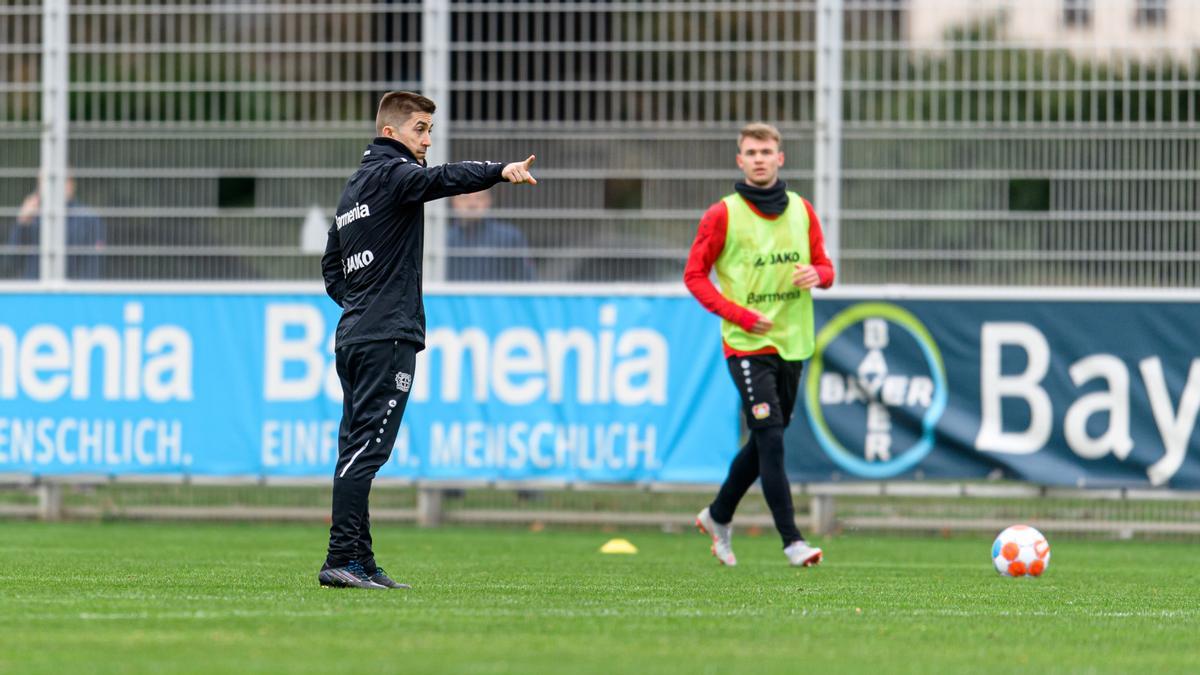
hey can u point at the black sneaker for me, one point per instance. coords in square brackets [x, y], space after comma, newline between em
[380, 577]
[350, 576]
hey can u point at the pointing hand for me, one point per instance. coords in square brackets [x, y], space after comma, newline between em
[518, 172]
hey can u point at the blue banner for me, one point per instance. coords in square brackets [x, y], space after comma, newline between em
[1091, 394]
[605, 389]
[567, 388]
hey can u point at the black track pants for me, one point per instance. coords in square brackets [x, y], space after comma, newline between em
[376, 378]
[767, 385]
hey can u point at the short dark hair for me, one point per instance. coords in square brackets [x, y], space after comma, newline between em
[396, 106]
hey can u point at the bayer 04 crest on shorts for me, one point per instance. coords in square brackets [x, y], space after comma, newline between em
[1021, 551]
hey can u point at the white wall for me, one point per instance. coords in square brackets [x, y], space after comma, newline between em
[1039, 24]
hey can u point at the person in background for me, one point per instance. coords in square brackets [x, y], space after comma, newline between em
[483, 248]
[769, 253]
[85, 239]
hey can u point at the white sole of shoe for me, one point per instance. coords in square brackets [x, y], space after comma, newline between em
[713, 548]
[813, 560]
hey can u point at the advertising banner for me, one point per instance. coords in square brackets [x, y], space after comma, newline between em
[1057, 392]
[608, 389]
[565, 388]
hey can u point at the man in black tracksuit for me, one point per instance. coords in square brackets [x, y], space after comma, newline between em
[372, 269]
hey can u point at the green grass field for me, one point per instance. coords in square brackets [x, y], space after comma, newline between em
[187, 598]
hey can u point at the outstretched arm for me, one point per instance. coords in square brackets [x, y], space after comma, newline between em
[413, 183]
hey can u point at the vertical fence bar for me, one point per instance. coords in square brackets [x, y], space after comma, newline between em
[429, 507]
[827, 178]
[823, 513]
[435, 82]
[50, 501]
[53, 189]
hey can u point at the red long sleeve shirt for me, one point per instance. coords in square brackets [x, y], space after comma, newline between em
[710, 241]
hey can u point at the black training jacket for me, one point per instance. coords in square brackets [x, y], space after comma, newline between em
[372, 261]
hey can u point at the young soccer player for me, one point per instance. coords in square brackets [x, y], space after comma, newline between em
[768, 250]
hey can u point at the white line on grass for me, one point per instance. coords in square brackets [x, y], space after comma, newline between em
[202, 614]
[571, 613]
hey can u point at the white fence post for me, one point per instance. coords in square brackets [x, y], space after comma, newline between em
[827, 182]
[50, 503]
[53, 179]
[435, 79]
[429, 506]
[824, 514]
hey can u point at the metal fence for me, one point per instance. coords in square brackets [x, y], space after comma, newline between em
[980, 142]
[827, 509]
[1019, 142]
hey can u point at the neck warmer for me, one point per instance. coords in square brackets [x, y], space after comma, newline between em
[770, 201]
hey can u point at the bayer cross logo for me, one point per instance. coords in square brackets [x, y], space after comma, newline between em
[875, 387]
[870, 412]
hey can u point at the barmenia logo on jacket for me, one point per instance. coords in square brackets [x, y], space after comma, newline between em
[359, 211]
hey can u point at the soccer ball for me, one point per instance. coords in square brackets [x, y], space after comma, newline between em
[1021, 550]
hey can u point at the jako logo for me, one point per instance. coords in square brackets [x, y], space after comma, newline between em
[356, 262]
[871, 387]
[515, 366]
[359, 211]
[49, 361]
[777, 258]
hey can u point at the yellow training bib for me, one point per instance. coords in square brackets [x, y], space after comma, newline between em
[755, 270]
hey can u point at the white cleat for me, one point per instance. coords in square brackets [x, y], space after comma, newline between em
[800, 554]
[722, 537]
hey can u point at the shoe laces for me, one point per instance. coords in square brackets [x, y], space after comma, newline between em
[378, 571]
[355, 567]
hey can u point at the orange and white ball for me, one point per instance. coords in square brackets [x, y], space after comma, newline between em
[1021, 551]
